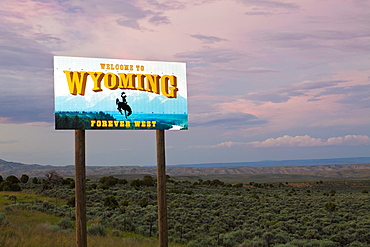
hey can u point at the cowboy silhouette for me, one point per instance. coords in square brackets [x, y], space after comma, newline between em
[124, 96]
[122, 105]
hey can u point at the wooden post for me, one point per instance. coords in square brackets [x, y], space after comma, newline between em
[161, 189]
[80, 187]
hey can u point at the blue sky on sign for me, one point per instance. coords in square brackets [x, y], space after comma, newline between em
[266, 79]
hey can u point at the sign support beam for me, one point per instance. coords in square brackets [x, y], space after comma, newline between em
[161, 189]
[80, 187]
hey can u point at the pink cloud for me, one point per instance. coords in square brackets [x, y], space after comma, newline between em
[337, 101]
[287, 141]
[307, 141]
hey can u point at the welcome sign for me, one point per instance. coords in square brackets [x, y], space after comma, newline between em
[98, 93]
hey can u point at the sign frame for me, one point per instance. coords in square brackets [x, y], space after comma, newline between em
[103, 94]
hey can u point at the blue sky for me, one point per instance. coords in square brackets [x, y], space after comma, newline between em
[266, 79]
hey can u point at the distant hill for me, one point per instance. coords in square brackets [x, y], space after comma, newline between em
[306, 162]
[359, 169]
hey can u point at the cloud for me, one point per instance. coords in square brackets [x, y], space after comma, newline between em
[347, 40]
[168, 5]
[355, 95]
[307, 141]
[26, 73]
[268, 8]
[285, 93]
[27, 108]
[48, 38]
[208, 39]
[159, 19]
[261, 13]
[270, 4]
[131, 14]
[225, 119]
[287, 141]
[209, 56]
[269, 97]
[8, 142]
[260, 70]
[228, 144]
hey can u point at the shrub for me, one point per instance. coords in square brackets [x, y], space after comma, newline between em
[125, 203]
[47, 205]
[330, 206]
[111, 201]
[71, 202]
[3, 219]
[9, 186]
[97, 230]
[24, 178]
[116, 233]
[12, 179]
[65, 223]
[53, 228]
[144, 202]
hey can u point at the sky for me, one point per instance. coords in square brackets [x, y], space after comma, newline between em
[266, 79]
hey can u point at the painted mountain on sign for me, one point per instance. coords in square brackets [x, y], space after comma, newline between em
[140, 102]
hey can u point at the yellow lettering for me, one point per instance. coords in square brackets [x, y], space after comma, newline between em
[104, 123]
[98, 123]
[154, 123]
[110, 123]
[97, 77]
[166, 85]
[128, 124]
[126, 81]
[137, 123]
[140, 82]
[170, 92]
[116, 123]
[76, 81]
[92, 123]
[121, 123]
[152, 83]
[111, 81]
[102, 66]
[143, 123]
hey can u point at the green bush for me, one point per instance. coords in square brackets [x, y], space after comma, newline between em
[24, 178]
[111, 202]
[65, 223]
[97, 230]
[71, 202]
[53, 228]
[3, 219]
[9, 186]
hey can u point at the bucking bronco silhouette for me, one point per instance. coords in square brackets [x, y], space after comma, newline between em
[122, 105]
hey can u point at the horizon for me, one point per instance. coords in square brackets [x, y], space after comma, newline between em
[215, 165]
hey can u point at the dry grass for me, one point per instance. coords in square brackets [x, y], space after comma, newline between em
[23, 228]
[12, 236]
